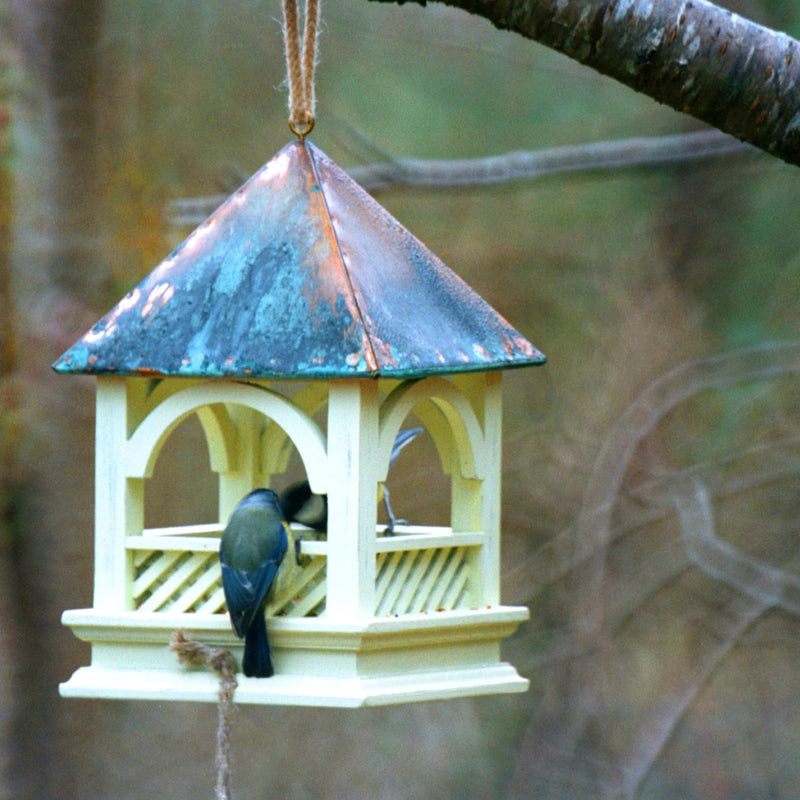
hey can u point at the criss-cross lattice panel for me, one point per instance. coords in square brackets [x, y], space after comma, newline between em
[411, 578]
[181, 574]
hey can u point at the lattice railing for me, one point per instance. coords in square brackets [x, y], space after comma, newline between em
[179, 581]
[177, 570]
[434, 572]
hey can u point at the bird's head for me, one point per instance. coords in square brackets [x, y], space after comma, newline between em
[261, 498]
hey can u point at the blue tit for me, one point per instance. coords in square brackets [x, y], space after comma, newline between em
[252, 554]
[301, 505]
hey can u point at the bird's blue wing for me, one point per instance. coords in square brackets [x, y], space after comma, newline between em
[245, 593]
[252, 548]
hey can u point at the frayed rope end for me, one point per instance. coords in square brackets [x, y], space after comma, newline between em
[217, 659]
[222, 662]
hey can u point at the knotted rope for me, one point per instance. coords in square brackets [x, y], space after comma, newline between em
[301, 60]
[223, 663]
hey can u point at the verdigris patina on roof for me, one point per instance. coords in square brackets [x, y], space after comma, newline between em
[300, 274]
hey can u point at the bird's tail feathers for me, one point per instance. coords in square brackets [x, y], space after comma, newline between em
[257, 662]
[401, 440]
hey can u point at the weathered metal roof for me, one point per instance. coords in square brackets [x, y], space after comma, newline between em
[300, 274]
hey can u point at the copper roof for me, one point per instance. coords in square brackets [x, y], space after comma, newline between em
[300, 274]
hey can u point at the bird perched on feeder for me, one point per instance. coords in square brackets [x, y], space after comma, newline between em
[301, 505]
[252, 554]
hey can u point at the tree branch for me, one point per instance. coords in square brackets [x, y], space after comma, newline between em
[594, 157]
[691, 55]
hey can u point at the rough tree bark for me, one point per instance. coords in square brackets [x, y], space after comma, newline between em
[697, 58]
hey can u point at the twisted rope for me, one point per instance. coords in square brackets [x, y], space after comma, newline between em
[301, 61]
[222, 662]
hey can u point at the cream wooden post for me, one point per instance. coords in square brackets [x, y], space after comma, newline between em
[492, 442]
[234, 485]
[352, 515]
[113, 516]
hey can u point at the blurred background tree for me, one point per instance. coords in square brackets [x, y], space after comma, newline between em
[650, 474]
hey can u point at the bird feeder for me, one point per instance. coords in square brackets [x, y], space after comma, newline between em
[300, 297]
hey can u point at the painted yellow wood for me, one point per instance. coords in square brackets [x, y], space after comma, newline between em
[178, 573]
[205, 582]
[352, 512]
[438, 429]
[453, 595]
[412, 537]
[145, 394]
[276, 446]
[152, 569]
[406, 600]
[203, 529]
[214, 605]
[464, 425]
[424, 579]
[313, 604]
[303, 593]
[390, 581]
[237, 481]
[367, 618]
[220, 437]
[319, 661]
[205, 544]
[172, 587]
[111, 516]
[490, 510]
[454, 561]
[423, 599]
[467, 499]
[145, 444]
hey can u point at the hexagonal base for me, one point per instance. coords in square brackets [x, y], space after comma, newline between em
[318, 661]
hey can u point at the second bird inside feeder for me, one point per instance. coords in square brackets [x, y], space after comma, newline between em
[301, 505]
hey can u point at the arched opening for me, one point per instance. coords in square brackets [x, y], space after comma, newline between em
[227, 446]
[450, 423]
[182, 487]
[174, 567]
[440, 564]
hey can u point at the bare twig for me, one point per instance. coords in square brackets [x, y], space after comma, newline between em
[594, 157]
[763, 587]
[748, 575]
[653, 151]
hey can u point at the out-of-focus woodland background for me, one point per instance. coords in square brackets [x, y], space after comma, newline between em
[651, 485]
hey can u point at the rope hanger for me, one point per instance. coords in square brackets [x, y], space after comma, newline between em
[301, 59]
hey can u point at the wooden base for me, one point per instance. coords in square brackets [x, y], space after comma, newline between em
[318, 661]
[119, 684]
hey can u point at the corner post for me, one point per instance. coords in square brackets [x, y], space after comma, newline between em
[111, 521]
[490, 508]
[352, 514]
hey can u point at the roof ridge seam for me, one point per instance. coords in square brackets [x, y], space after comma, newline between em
[371, 356]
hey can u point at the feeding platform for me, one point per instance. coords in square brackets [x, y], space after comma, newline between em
[301, 298]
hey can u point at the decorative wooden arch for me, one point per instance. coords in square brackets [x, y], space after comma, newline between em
[448, 417]
[208, 400]
[276, 444]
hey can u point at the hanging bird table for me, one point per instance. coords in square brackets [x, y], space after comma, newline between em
[301, 280]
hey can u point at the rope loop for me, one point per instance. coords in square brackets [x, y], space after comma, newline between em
[302, 130]
[301, 61]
